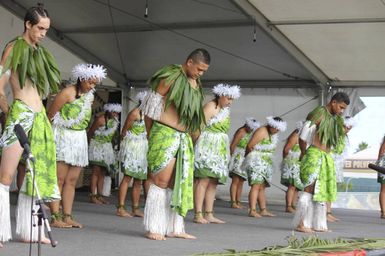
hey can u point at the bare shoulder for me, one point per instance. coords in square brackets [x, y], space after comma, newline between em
[6, 52]
[134, 114]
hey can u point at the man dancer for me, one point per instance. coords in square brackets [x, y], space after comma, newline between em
[173, 109]
[323, 130]
[33, 74]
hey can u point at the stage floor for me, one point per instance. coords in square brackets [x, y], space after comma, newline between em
[105, 234]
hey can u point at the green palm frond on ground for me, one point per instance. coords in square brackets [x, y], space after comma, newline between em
[312, 245]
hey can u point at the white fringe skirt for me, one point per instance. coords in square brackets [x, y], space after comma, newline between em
[71, 146]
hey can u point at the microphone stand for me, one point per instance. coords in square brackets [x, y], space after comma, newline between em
[41, 213]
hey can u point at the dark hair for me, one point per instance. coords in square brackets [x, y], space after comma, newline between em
[78, 87]
[216, 99]
[200, 55]
[277, 118]
[34, 13]
[341, 97]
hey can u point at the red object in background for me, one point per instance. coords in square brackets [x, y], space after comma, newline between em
[352, 253]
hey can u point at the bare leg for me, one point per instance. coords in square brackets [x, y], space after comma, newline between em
[20, 175]
[253, 195]
[233, 191]
[121, 211]
[135, 198]
[9, 161]
[62, 172]
[262, 202]
[209, 202]
[96, 170]
[382, 201]
[289, 198]
[329, 214]
[239, 193]
[200, 191]
[68, 195]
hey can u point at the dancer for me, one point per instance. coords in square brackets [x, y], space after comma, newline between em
[212, 152]
[259, 163]
[381, 177]
[339, 154]
[71, 113]
[290, 168]
[173, 109]
[133, 152]
[33, 75]
[101, 154]
[322, 130]
[237, 151]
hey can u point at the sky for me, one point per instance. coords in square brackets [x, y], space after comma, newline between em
[369, 124]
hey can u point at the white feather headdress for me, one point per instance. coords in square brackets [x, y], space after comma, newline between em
[112, 107]
[252, 123]
[140, 96]
[349, 121]
[89, 71]
[280, 125]
[299, 125]
[232, 91]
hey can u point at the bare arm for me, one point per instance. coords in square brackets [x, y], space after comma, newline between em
[62, 98]
[237, 137]
[291, 141]
[99, 121]
[257, 137]
[3, 81]
[382, 150]
[131, 118]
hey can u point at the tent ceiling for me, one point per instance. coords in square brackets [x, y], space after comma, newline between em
[344, 38]
[172, 29]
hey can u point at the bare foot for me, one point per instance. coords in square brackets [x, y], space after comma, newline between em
[59, 224]
[331, 217]
[211, 219]
[304, 230]
[121, 212]
[200, 220]
[266, 213]
[94, 199]
[70, 221]
[290, 209]
[155, 236]
[382, 216]
[322, 230]
[181, 235]
[44, 240]
[103, 200]
[253, 213]
[137, 213]
[234, 205]
[240, 205]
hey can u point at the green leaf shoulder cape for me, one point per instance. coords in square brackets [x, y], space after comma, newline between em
[35, 63]
[330, 128]
[187, 100]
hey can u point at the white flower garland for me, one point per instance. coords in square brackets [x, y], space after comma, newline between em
[232, 91]
[59, 121]
[349, 121]
[268, 147]
[252, 123]
[112, 107]
[89, 71]
[140, 96]
[222, 114]
[109, 131]
[280, 125]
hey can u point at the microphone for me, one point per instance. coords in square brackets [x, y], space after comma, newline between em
[377, 168]
[23, 140]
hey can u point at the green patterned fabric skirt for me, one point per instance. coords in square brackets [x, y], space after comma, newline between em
[317, 167]
[290, 171]
[164, 144]
[381, 177]
[212, 155]
[236, 163]
[259, 167]
[38, 128]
